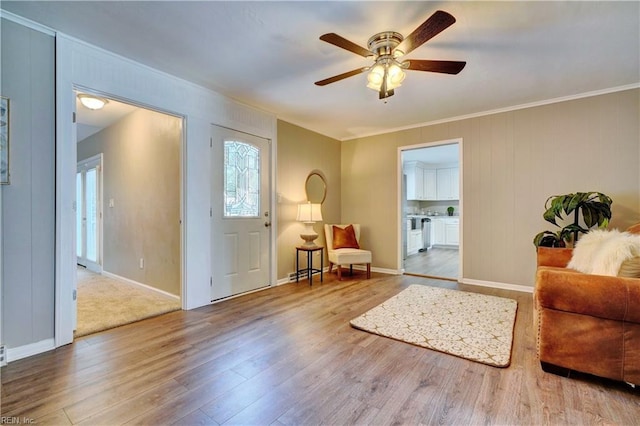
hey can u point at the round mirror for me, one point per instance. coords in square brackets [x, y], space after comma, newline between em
[316, 188]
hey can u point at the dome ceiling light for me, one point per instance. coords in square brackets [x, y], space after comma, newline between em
[92, 102]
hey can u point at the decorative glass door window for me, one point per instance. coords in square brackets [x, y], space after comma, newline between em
[241, 179]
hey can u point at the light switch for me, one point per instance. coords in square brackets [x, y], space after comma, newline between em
[111, 203]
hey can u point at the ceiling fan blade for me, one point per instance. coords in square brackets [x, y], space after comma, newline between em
[445, 67]
[336, 40]
[340, 76]
[430, 28]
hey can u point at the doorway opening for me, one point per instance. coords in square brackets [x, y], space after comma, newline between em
[430, 208]
[89, 213]
[128, 209]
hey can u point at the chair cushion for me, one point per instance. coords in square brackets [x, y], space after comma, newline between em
[344, 238]
[349, 256]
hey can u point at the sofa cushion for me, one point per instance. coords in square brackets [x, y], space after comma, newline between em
[602, 252]
[630, 268]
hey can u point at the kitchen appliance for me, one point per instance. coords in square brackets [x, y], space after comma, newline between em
[426, 233]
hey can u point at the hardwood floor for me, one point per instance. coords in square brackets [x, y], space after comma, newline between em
[287, 356]
[436, 262]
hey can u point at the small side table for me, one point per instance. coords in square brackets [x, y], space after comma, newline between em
[309, 270]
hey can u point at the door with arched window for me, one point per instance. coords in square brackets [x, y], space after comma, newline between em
[240, 213]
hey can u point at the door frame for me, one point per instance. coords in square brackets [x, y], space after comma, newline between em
[401, 237]
[66, 169]
[270, 207]
[98, 158]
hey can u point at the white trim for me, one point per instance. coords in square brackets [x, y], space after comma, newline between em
[386, 271]
[224, 299]
[499, 110]
[31, 349]
[27, 23]
[148, 287]
[493, 284]
[283, 281]
[97, 161]
[459, 142]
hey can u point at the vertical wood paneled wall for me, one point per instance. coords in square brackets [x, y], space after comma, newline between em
[513, 161]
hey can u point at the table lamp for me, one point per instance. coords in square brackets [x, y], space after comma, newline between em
[309, 214]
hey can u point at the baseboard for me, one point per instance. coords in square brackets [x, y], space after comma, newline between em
[148, 287]
[493, 284]
[291, 277]
[14, 354]
[384, 271]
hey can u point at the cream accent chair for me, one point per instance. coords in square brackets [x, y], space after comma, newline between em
[346, 256]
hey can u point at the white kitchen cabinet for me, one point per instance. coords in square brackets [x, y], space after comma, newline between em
[437, 228]
[415, 181]
[414, 241]
[430, 186]
[424, 183]
[448, 183]
[446, 231]
[452, 232]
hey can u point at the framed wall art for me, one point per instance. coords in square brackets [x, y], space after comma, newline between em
[4, 140]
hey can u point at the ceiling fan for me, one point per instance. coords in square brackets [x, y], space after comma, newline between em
[386, 48]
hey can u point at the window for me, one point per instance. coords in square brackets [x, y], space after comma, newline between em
[241, 180]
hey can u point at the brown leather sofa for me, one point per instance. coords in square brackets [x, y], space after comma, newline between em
[586, 323]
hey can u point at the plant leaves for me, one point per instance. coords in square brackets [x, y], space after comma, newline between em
[574, 201]
[547, 239]
[589, 215]
[550, 216]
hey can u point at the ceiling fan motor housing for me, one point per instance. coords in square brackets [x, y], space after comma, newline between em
[384, 43]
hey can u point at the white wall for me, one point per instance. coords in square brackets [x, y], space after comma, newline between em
[513, 161]
[141, 197]
[79, 65]
[85, 66]
[28, 202]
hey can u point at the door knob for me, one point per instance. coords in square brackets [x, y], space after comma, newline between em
[267, 224]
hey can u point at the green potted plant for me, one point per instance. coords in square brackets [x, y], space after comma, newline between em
[450, 211]
[593, 207]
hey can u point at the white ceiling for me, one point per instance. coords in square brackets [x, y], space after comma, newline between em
[267, 54]
[90, 121]
[434, 155]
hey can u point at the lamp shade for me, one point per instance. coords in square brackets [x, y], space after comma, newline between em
[309, 213]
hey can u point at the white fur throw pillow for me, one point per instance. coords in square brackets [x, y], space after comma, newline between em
[602, 252]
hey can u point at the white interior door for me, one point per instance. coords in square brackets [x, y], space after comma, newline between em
[240, 212]
[89, 213]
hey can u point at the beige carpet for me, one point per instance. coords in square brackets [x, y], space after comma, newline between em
[469, 325]
[105, 303]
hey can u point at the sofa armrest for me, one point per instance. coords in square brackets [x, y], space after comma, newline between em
[614, 298]
[554, 256]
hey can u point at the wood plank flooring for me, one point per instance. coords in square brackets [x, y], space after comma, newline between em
[287, 356]
[436, 262]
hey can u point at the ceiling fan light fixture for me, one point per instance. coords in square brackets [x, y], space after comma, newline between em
[375, 77]
[395, 76]
[92, 102]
